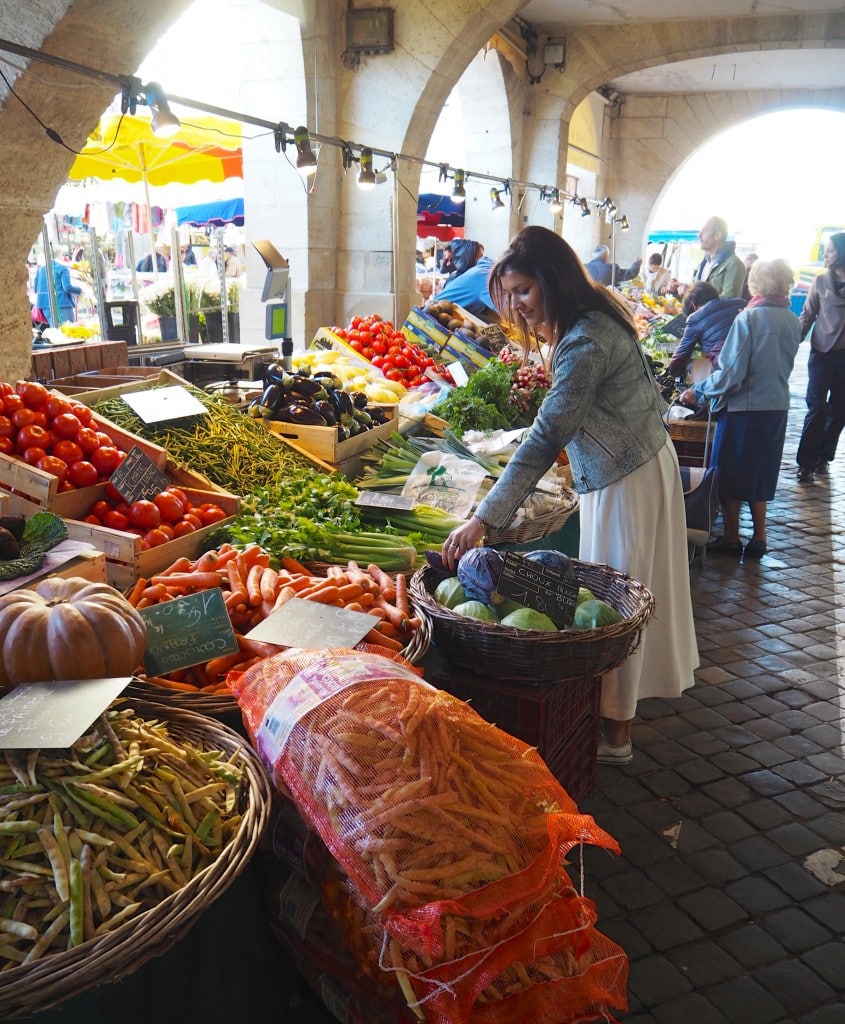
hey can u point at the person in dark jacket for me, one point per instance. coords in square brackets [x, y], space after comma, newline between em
[467, 284]
[709, 319]
[600, 267]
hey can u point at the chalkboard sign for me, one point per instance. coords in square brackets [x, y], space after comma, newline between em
[301, 623]
[187, 631]
[138, 477]
[54, 715]
[539, 587]
[383, 499]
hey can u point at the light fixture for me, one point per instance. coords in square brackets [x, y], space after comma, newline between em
[459, 192]
[555, 204]
[623, 223]
[605, 203]
[164, 122]
[585, 207]
[306, 162]
[366, 176]
[496, 199]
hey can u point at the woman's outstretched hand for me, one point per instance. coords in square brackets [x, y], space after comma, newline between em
[461, 539]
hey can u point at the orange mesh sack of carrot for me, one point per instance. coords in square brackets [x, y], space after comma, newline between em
[451, 832]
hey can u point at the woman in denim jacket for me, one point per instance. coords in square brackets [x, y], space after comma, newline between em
[750, 386]
[603, 407]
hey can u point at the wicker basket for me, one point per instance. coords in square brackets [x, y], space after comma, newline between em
[212, 704]
[533, 656]
[691, 430]
[539, 526]
[60, 976]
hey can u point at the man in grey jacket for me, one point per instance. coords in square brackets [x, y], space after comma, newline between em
[721, 266]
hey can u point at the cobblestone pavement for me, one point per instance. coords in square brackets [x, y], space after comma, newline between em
[735, 800]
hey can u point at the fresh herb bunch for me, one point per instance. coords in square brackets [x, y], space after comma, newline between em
[496, 397]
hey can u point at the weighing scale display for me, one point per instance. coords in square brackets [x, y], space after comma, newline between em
[276, 320]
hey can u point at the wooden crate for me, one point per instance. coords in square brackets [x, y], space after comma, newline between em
[161, 378]
[90, 566]
[107, 377]
[323, 441]
[125, 559]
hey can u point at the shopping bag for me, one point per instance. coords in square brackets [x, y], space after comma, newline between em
[701, 496]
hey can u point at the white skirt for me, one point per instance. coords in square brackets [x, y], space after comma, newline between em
[638, 526]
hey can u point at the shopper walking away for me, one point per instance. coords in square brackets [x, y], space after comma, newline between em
[721, 266]
[66, 293]
[709, 319]
[750, 388]
[604, 409]
[600, 268]
[824, 313]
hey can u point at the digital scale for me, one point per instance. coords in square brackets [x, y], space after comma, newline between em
[230, 352]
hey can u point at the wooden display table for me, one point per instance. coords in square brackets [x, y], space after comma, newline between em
[66, 360]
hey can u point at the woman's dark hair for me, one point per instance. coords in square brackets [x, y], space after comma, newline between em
[699, 295]
[837, 240]
[568, 290]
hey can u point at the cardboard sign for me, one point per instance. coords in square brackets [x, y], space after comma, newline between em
[159, 404]
[383, 499]
[138, 477]
[539, 587]
[459, 374]
[301, 623]
[187, 631]
[54, 715]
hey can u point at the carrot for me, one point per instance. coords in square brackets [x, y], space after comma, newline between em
[388, 629]
[220, 665]
[353, 606]
[236, 580]
[391, 612]
[323, 595]
[269, 585]
[235, 603]
[214, 559]
[335, 571]
[375, 637]
[401, 585]
[292, 565]
[350, 592]
[266, 608]
[188, 580]
[386, 584]
[284, 595]
[172, 684]
[155, 592]
[253, 583]
[366, 601]
[318, 583]
[134, 595]
[182, 564]
[255, 648]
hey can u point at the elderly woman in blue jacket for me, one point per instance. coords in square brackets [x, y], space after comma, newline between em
[750, 387]
[709, 319]
[603, 407]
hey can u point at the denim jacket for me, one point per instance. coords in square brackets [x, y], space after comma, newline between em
[603, 407]
[755, 362]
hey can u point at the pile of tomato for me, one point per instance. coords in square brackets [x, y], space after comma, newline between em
[55, 434]
[156, 521]
[389, 350]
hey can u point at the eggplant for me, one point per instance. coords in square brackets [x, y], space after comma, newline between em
[255, 410]
[275, 374]
[327, 411]
[304, 385]
[363, 417]
[305, 415]
[342, 402]
[359, 399]
[328, 380]
[273, 396]
[343, 432]
[377, 414]
[309, 397]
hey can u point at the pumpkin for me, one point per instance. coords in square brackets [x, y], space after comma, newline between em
[68, 629]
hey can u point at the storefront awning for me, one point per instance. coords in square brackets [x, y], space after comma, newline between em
[217, 213]
[656, 237]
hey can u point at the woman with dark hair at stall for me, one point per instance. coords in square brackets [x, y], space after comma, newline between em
[603, 407]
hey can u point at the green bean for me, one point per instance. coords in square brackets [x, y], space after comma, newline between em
[77, 914]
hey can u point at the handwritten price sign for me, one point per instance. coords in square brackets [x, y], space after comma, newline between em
[187, 631]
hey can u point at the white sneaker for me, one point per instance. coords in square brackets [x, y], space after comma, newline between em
[607, 754]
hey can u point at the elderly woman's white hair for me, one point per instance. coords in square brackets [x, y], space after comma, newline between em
[770, 278]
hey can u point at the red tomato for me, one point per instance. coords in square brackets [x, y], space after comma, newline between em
[56, 405]
[6, 389]
[66, 425]
[103, 439]
[167, 530]
[70, 451]
[7, 445]
[11, 403]
[144, 514]
[401, 362]
[178, 492]
[34, 395]
[155, 538]
[171, 506]
[92, 519]
[32, 456]
[50, 464]
[357, 344]
[24, 417]
[194, 519]
[182, 528]
[32, 435]
[82, 474]
[106, 460]
[211, 514]
[7, 428]
[99, 508]
[394, 350]
[82, 413]
[394, 375]
[113, 494]
[115, 520]
[87, 440]
[65, 485]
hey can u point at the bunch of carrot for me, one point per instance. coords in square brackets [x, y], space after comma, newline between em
[253, 589]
